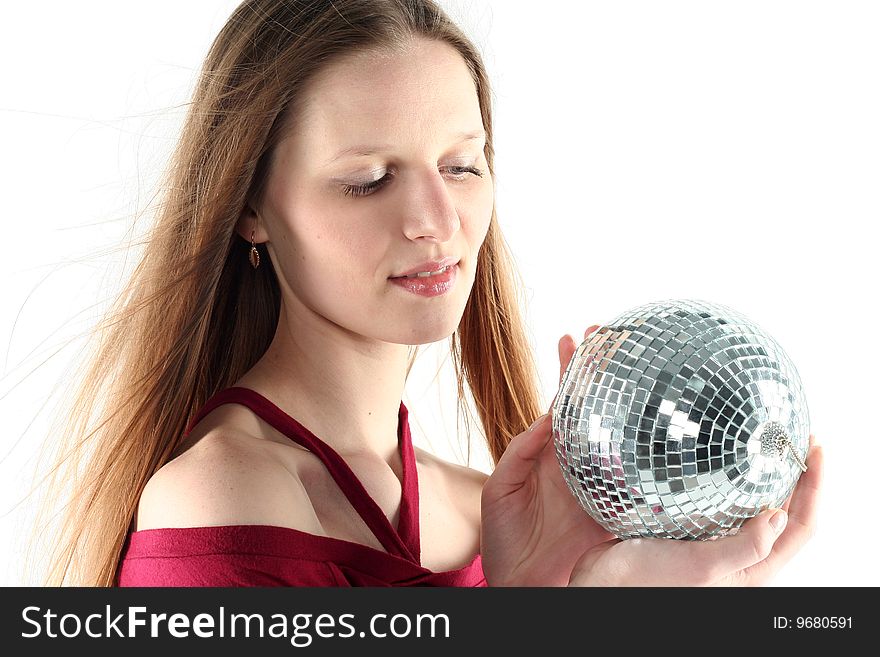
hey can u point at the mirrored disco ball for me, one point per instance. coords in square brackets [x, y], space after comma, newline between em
[680, 419]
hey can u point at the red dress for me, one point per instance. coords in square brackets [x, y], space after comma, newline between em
[265, 555]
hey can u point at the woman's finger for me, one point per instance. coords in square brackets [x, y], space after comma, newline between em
[517, 462]
[802, 516]
[567, 347]
[566, 351]
[788, 501]
[713, 561]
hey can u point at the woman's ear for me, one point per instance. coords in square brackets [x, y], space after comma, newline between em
[248, 223]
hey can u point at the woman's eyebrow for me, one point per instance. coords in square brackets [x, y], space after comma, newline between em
[362, 150]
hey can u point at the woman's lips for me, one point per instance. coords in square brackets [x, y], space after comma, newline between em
[429, 286]
[430, 266]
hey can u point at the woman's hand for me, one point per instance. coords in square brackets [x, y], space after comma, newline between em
[533, 531]
[749, 558]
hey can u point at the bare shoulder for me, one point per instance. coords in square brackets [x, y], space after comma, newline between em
[226, 478]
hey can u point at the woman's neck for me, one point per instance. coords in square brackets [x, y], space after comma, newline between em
[344, 388]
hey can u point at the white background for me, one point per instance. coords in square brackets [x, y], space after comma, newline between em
[645, 151]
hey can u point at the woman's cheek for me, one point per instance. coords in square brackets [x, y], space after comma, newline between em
[483, 213]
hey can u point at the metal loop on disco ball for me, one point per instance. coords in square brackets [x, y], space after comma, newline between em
[680, 419]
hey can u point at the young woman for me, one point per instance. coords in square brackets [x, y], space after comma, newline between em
[330, 206]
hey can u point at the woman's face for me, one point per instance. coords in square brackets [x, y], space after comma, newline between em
[380, 174]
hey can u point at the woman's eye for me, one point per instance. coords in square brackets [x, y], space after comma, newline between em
[365, 189]
[459, 172]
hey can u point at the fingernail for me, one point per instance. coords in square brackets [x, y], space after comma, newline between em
[777, 522]
[538, 421]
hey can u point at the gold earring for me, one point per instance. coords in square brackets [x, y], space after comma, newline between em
[254, 255]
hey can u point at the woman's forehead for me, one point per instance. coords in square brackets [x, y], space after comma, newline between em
[388, 96]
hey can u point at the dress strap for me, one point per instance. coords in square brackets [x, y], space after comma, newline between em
[404, 541]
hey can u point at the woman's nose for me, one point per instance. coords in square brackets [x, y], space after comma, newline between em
[429, 209]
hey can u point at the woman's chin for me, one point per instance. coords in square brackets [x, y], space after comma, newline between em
[422, 334]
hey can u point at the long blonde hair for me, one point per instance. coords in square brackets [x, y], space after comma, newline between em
[195, 316]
